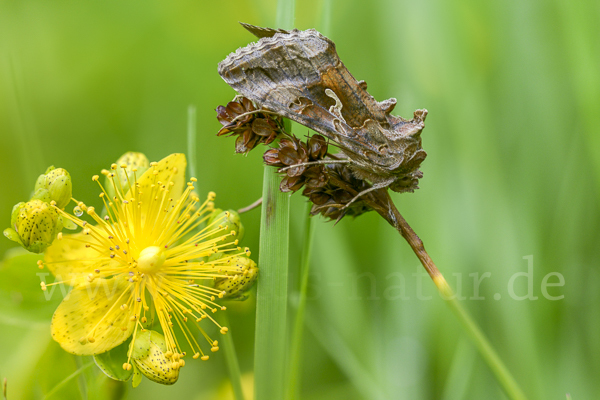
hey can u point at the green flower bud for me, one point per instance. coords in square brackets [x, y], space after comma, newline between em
[242, 273]
[124, 169]
[34, 225]
[230, 219]
[55, 185]
[148, 355]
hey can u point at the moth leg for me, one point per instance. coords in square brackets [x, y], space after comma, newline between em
[315, 163]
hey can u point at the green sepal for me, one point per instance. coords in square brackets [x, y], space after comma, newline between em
[230, 219]
[57, 183]
[111, 363]
[42, 194]
[239, 281]
[148, 353]
[12, 235]
[137, 377]
[36, 223]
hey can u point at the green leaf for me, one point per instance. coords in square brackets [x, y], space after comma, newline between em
[22, 301]
[111, 363]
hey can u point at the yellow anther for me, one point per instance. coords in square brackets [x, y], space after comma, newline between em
[91, 339]
[59, 236]
[113, 166]
[195, 356]
[214, 349]
[95, 178]
[224, 330]
[43, 285]
[204, 358]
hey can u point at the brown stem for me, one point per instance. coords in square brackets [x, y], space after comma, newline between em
[251, 206]
[384, 205]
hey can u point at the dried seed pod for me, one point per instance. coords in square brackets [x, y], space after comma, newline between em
[241, 118]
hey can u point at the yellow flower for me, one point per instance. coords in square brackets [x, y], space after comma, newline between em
[147, 260]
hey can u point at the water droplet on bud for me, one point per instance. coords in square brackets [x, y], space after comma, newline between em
[77, 211]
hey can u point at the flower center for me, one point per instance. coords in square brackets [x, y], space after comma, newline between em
[151, 259]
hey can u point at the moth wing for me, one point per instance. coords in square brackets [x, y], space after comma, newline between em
[289, 74]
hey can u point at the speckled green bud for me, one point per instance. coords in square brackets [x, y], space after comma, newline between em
[34, 225]
[124, 169]
[148, 354]
[242, 273]
[55, 185]
[230, 219]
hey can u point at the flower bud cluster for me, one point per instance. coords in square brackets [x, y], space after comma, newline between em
[36, 223]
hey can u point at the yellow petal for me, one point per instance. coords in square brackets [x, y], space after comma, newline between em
[169, 169]
[64, 258]
[89, 320]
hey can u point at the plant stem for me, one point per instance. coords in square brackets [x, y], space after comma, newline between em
[67, 379]
[235, 377]
[271, 295]
[191, 140]
[295, 351]
[230, 356]
[384, 205]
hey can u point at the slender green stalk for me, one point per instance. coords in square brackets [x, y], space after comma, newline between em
[486, 350]
[384, 205]
[235, 377]
[295, 352]
[68, 379]
[229, 348]
[271, 294]
[191, 140]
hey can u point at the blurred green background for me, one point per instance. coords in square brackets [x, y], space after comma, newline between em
[513, 170]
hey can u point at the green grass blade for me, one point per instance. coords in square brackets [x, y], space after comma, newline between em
[271, 296]
[293, 389]
[271, 293]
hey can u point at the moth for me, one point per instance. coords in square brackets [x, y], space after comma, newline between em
[299, 75]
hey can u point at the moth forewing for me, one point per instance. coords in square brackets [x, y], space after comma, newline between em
[298, 74]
